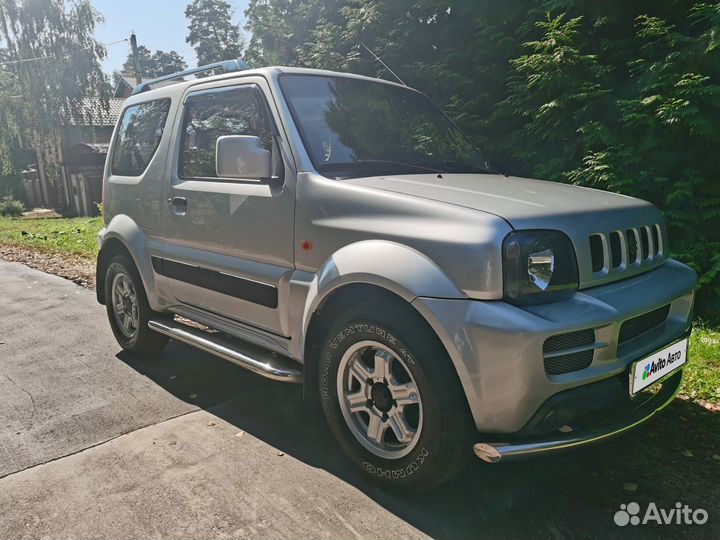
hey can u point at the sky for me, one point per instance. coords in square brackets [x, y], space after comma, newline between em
[158, 24]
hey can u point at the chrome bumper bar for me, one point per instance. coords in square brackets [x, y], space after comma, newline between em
[495, 452]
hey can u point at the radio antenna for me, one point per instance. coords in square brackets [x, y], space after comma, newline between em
[383, 63]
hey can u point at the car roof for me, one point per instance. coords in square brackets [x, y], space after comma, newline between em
[177, 89]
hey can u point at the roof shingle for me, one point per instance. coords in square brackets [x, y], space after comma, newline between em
[94, 114]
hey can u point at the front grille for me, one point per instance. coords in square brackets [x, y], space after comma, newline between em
[632, 246]
[615, 249]
[567, 363]
[596, 253]
[656, 241]
[563, 342]
[644, 241]
[637, 326]
[574, 360]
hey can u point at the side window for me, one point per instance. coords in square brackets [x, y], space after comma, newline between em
[210, 114]
[139, 134]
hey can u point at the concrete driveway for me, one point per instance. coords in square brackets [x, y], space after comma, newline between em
[96, 444]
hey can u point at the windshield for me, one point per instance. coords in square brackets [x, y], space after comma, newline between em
[353, 128]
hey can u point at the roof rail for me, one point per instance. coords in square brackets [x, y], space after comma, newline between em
[228, 66]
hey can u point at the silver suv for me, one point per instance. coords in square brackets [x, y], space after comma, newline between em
[341, 232]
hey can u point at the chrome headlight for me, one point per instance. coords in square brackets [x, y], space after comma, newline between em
[538, 266]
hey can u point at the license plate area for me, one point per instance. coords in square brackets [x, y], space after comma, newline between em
[657, 366]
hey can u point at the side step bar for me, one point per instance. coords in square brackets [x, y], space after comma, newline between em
[256, 359]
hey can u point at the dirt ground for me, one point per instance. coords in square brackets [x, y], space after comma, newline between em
[77, 269]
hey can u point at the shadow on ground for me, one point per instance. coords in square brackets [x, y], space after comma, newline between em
[673, 458]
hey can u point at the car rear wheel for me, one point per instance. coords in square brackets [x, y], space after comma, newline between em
[392, 397]
[128, 309]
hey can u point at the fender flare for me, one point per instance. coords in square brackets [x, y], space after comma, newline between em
[391, 266]
[125, 230]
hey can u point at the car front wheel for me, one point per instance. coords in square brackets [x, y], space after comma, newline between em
[392, 397]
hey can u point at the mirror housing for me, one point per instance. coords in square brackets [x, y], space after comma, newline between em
[242, 156]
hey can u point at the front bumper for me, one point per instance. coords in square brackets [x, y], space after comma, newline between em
[497, 348]
[627, 415]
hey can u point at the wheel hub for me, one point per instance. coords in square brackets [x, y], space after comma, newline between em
[127, 304]
[381, 397]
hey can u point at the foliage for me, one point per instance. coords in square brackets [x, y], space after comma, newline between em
[557, 91]
[60, 35]
[168, 62]
[9, 132]
[154, 64]
[212, 33]
[702, 375]
[12, 184]
[144, 60]
[49, 64]
[623, 96]
[76, 236]
[10, 206]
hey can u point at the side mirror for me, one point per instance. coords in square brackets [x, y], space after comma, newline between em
[241, 156]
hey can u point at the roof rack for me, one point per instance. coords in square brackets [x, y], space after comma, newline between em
[228, 66]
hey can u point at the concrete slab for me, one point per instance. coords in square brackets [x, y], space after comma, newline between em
[190, 477]
[64, 386]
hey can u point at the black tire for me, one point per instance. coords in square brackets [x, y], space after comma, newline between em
[143, 342]
[444, 445]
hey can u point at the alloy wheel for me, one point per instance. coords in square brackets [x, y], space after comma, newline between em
[379, 399]
[125, 305]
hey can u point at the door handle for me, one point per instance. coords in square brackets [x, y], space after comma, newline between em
[179, 205]
[178, 201]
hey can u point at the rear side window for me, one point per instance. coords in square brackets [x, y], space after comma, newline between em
[210, 114]
[138, 137]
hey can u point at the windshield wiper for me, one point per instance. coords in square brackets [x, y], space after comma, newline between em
[463, 167]
[373, 164]
[403, 163]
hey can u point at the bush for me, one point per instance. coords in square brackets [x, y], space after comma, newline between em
[646, 130]
[10, 206]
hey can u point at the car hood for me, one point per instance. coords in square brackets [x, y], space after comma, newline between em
[524, 203]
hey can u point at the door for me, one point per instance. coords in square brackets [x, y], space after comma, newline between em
[229, 242]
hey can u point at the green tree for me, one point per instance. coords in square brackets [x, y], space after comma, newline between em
[154, 64]
[9, 133]
[145, 62]
[660, 147]
[211, 31]
[557, 92]
[167, 63]
[50, 64]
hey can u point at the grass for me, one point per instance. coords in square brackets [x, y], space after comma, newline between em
[79, 236]
[702, 374]
[70, 235]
